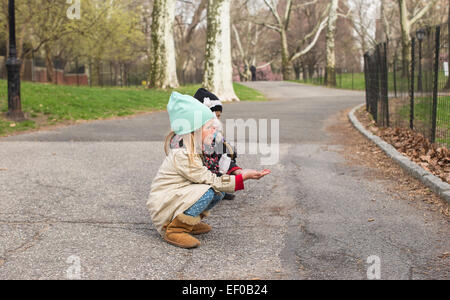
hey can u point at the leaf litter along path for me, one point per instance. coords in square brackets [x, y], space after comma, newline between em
[412, 144]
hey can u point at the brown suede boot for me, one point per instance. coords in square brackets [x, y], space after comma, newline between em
[178, 232]
[202, 228]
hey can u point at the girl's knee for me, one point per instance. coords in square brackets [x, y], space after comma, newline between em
[210, 193]
[201, 204]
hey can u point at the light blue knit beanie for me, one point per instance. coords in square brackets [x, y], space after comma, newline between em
[187, 114]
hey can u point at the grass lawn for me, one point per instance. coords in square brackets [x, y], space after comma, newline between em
[345, 81]
[48, 104]
[423, 113]
[357, 81]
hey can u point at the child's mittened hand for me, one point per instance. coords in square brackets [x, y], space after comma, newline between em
[253, 174]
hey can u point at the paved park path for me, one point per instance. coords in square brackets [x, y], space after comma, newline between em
[77, 194]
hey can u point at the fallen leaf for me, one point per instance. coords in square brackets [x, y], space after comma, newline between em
[3, 169]
[371, 220]
[425, 158]
[445, 255]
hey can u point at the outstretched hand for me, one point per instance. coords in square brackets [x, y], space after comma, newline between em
[253, 174]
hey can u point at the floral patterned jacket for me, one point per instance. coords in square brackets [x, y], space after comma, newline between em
[212, 155]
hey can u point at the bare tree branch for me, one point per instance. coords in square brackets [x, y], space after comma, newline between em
[422, 12]
[314, 41]
[274, 11]
[271, 26]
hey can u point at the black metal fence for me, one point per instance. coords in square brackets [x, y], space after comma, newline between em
[411, 89]
[92, 72]
[82, 72]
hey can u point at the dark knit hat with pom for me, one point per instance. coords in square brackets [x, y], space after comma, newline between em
[209, 99]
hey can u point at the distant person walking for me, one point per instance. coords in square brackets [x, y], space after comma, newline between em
[253, 70]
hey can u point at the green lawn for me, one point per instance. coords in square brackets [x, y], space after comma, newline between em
[48, 104]
[423, 113]
[357, 81]
[345, 81]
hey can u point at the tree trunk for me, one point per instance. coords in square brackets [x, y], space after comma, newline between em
[49, 65]
[248, 74]
[98, 72]
[311, 67]
[406, 39]
[330, 73]
[384, 23]
[297, 69]
[285, 60]
[218, 75]
[305, 72]
[405, 25]
[116, 74]
[163, 72]
[125, 75]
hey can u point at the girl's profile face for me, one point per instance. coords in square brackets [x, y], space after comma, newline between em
[208, 131]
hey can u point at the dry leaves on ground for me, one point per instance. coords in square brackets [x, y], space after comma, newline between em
[413, 145]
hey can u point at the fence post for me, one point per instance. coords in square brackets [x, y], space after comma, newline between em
[372, 84]
[413, 58]
[366, 78]
[395, 75]
[435, 86]
[386, 85]
[377, 82]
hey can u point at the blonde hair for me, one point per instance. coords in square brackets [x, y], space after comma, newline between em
[167, 142]
[192, 142]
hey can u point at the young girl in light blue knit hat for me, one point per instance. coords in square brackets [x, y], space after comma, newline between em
[184, 190]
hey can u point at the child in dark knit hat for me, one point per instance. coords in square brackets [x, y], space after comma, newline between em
[210, 100]
[221, 158]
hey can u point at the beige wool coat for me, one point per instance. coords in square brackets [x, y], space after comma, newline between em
[179, 184]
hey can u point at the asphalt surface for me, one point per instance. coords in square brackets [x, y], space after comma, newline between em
[80, 192]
